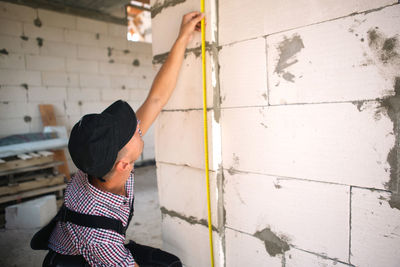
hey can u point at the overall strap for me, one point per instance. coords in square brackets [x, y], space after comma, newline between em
[92, 221]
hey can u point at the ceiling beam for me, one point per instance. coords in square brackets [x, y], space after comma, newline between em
[83, 12]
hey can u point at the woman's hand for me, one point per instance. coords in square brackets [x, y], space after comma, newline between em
[190, 22]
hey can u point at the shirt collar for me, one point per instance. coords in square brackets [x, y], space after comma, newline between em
[108, 198]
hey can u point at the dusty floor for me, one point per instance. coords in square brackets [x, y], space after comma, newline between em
[145, 227]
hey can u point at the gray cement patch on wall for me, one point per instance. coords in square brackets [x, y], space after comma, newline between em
[158, 6]
[273, 244]
[288, 49]
[189, 219]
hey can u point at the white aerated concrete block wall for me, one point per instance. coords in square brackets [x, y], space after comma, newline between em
[180, 144]
[314, 158]
[305, 137]
[79, 65]
[31, 214]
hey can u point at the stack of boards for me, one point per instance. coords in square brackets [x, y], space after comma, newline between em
[27, 176]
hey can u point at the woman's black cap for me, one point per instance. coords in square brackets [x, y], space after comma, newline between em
[97, 138]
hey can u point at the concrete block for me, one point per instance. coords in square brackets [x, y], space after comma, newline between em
[81, 38]
[58, 49]
[36, 125]
[299, 258]
[140, 70]
[318, 142]
[148, 152]
[91, 25]
[265, 17]
[72, 108]
[186, 146]
[47, 94]
[140, 47]
[246, 250]
[31, 214]
[45, 63]
[44, 32]
[94, 107]
[13, 94]
[190, 242]
[126, 56]
[249, 22]
[13, 126]
[114, 94]
[144, 59]
[148, 139]
[335, 61]
[135, 104]
[10, 27]
[117, 30]
[243, 74]
[375, 229]
[93, 53]
[144, 82]
[60, 79]
[10, 110]
[124, 81]
[56, 19]
[18, 77]
[320, 211]
[12, 61]
[190, 185]
[113, 42]
[188, 93]
[17, 45]
[83, 94]
[17, 12]
[113, 68]
[138, 95]
[166, 24]
[71, 121]
[82, 66]
[94, 80]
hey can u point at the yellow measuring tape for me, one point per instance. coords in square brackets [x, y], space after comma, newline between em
[203, 63]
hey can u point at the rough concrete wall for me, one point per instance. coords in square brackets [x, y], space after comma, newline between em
[179, 140]
[304, 110]
[310, 135]
[77, 64]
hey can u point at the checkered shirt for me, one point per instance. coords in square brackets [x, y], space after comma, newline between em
[100, 247]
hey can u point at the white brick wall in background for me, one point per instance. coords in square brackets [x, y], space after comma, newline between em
[78, 64]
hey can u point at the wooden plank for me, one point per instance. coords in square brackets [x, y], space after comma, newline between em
[40, 182]
[19, 163]
[59, 203]
[47, 113]
[32, 193]
[49, 119]
[59, 155]
[32, 168]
